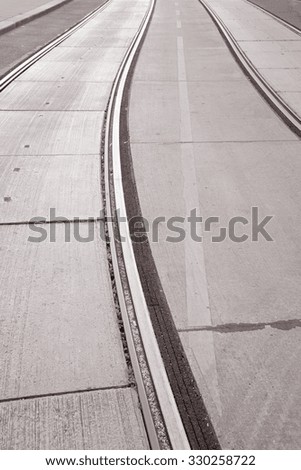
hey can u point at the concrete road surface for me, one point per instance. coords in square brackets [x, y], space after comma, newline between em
[64, 381]
[210, 142]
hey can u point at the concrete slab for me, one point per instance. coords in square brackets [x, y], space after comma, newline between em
[158, 65]
[275, 60]
[232, 111]
[162, 104]
[53, 96]
[160, 62]
[102, 55]
[292, 99]
[162, 163]
[218, 100]
[237, 130]
[251, 384]
[81, 54]
[58, 323]
[101, 38]
[213, 64]
[232, 10]
[283, 80]
[50, 133]
[257, 281]
[116, 18]
[204, 36]
[105, 419]
[94, 71]
[229, 179]
[70, 184]
[248, 119]
[159, 41]
[271, 46]
[265, 30]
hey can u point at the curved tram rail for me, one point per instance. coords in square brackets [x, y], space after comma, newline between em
[277, 18]
[291, 118]
[164, 424]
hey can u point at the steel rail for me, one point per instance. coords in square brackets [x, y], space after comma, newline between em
[23, 66]
[172, 420]
[289, 116]
[275, 17]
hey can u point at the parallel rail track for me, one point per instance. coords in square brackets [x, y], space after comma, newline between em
[131, 297]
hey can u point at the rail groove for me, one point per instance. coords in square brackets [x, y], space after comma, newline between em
[116, 210]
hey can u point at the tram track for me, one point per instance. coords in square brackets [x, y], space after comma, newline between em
[282, 21]
[187, 423]
[161, 415]
[17, 70]
[288, 115]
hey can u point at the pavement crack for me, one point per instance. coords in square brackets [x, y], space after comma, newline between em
[284, 325]
[42, 221]
[69, 392]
